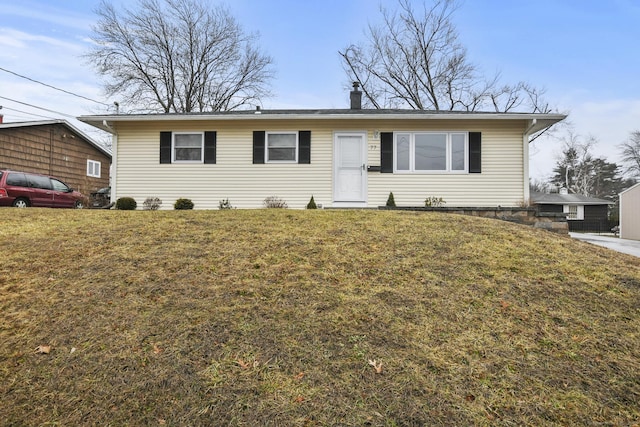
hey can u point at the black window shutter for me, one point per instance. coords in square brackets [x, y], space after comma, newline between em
[165, 147]
[304, 146]
[258, 146]
[210, 147]
[386, 152]
[475, 152]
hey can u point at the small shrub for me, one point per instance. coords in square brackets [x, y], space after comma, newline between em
[434, 202]
[126, 204]
[224, 204]
[524, 203]
[391, 203]
[312, 204]
[151, 204]
[181, 204]
[274, 202]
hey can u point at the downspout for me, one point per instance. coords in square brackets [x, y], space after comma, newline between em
[525, 159]
[114, 154]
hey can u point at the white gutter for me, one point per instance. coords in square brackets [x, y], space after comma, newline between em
[100, 121]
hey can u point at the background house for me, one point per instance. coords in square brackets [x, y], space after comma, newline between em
[583, 213]
[57, 148]
[630, 213]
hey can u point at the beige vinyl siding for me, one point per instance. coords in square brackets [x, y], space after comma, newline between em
[629, 217]
[234, 176]
[139, 173]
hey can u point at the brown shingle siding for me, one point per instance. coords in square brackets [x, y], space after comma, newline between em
[53, 149]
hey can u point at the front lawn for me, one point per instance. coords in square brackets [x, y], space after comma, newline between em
[279, 317]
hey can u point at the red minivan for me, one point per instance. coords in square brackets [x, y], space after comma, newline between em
[21, 189]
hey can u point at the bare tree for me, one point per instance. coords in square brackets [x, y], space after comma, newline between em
[414, 59]
[178, 56]
[630, 151]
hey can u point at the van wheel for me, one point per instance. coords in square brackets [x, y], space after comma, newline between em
[79, 204]
[21, 203]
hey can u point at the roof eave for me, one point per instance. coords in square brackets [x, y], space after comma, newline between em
[62, 122]
[540, 121]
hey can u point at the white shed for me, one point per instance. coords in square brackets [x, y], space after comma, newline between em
[630, 213]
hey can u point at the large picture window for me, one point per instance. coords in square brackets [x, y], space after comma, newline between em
[282, 147]
[188, 147]
[431, 152]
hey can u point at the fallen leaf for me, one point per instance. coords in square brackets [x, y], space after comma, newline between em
[73, 349]
[469, 398]
[43, 349]
[157, 349]
[242, 363]
[299, 376]
[376, 365]
[299, 399]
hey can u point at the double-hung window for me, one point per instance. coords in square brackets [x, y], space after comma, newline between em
[437, 152]
[93, 168]
[281, 147]
[188, 147]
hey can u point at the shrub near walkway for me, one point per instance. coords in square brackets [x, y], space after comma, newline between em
[275, 317]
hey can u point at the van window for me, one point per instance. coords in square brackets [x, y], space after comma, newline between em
[17, 180]
[37, 181]
[59, 185]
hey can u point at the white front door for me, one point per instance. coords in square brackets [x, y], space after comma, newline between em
[350, 170]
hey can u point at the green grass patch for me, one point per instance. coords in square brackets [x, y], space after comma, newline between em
[275, 317]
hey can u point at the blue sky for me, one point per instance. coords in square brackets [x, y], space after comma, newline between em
[584, 52]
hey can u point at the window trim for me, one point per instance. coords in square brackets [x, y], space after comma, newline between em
[266, 146]
[91, 168]
[173, 147]
[448, 156]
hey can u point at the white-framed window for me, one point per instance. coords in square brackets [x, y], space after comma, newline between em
[431, 152]
[93, 168]
[281, 147]
[574, 212]
[187, 147]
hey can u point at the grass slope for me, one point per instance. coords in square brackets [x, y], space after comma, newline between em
[272, 317]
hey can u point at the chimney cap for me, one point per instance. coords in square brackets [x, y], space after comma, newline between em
[356, 85]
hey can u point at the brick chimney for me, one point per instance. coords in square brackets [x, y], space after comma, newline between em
[356, 97]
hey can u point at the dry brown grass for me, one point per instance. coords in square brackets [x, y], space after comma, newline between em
[272, 317]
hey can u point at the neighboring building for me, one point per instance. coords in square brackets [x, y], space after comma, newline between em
[630, 213]
[55, 147]
[583, 213]
[344, 157]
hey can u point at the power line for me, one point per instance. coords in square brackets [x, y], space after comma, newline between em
[52, 87]
[39, 108]
[2, 107]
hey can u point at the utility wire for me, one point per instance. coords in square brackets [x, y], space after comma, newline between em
[2, 107]
[52, 87]
[39, 108]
